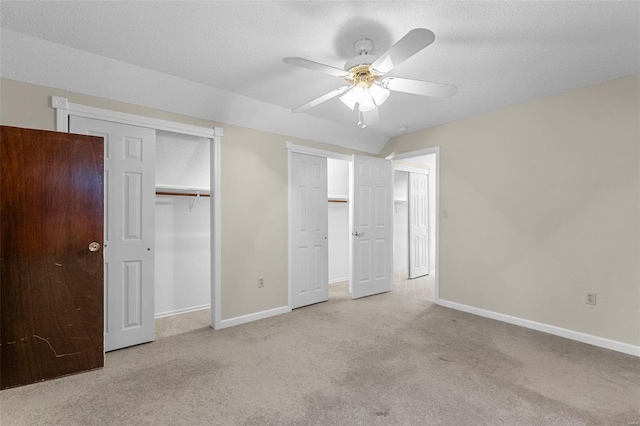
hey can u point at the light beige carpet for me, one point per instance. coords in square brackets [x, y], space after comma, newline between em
[385, 359]
[422, 288]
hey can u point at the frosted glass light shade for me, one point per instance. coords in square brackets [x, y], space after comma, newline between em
[366, 103]
[379, 93]
[368, 100]
[360, 92]
[348, 99]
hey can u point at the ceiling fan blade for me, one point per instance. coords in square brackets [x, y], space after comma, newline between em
[321, 99]
[415, 40]
[315, 66]
[418, 87]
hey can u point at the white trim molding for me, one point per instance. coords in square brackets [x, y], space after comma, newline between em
[401, 168]
[420, 152]
[62, 113]
[291, 147]
[243, 319]
[182, 311]
[590, 339]
[64, 109]
[338, 280]
[289, 230]
[216, 231]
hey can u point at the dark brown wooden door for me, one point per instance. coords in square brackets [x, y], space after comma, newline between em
[51, 284]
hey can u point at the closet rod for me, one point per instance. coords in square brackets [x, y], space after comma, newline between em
[182, 194]
[334, 200]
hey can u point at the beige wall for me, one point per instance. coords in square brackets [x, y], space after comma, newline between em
[543, 202]
[254, 198]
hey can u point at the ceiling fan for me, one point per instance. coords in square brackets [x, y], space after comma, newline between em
[365, 74]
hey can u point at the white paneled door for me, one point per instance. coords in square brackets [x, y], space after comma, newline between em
[310, 282]
[418, 225]
[129, 165]
[372, 226]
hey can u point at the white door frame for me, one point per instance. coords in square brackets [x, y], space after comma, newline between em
[426, 151]
[409, 169]
[401, 168]
[291, 148]
[64, 109]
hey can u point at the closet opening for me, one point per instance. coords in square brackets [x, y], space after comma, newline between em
[187, 165]
[338, 229]
[414, 227]
[183, 233]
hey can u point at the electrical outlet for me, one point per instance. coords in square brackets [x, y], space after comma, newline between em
[591, 298]
[260, 282]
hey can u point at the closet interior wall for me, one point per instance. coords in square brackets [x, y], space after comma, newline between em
[400, 225]
[338, 191]
[183, 234]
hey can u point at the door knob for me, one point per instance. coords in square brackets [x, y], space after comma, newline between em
[94, 246]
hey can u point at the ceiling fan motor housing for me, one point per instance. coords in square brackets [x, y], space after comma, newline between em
[361, 75]
[360, 60]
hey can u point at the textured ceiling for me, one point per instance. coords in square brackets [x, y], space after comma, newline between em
[498, 53]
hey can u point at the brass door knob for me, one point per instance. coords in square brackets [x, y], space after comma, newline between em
[94, 246]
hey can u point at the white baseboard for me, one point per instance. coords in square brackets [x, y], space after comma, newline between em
[338, 280]
[182, 311]
[254, 317]
[590, 339]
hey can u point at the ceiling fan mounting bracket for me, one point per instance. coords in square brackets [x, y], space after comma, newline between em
[363, 46]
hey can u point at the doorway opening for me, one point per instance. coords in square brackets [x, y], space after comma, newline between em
[183, 233]
[338, 230]
[415, 225]
[370, 236]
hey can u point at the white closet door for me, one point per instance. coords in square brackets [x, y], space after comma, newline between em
[129, 229]
[372, 225]
[309, 230]
[418, 225]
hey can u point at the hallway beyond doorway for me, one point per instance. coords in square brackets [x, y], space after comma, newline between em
[422, 288]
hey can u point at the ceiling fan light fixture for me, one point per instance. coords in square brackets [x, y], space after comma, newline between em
[363, 97]
[367, 104]
[360, 92]
[379, 93]
[348, 99]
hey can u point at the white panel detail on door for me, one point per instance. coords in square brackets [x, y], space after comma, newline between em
[372, 253]
[418, 225]
[129, 228]
[310, 283]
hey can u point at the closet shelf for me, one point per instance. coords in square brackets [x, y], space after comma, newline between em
[183, 191]
[338, 200]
